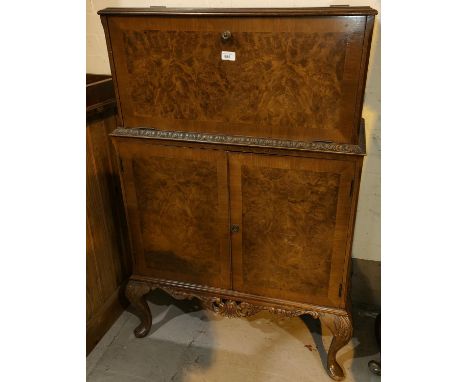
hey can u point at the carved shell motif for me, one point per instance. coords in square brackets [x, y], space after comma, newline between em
[230, 308]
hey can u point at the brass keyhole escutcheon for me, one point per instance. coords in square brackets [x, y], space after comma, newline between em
[226, 35]
[235, 228]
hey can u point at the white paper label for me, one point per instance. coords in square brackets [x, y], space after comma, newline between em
[229, 56]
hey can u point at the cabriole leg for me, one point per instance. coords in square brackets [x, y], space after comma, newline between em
[342, 330]
[135, 293]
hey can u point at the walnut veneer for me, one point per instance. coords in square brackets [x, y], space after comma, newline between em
[241, 178]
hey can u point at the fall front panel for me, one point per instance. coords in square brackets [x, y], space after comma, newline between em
[291, 78]
[177, 205]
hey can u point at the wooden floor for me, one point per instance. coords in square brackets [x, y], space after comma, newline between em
[187, 344]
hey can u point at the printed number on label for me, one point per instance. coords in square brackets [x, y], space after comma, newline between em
[228, 56]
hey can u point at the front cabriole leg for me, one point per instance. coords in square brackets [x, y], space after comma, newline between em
[342, 329]
[135, 293]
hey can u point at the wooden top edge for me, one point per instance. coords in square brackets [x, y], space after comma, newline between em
[317, 11]
[92, 78]
[97, 83]
[233, 140]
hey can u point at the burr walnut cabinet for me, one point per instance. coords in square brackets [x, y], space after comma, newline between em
[241, 144]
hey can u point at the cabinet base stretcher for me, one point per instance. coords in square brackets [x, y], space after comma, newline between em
[234, 304]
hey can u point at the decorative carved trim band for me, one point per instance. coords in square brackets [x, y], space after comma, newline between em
[230, 308]
[226, 306]
[143, 132]
[182, 290]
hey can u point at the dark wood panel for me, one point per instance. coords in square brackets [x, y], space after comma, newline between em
[103, 318]
[100, 97]
[293, 78]
[107, 261]
[294, 216]
[93, 287]
[177, 204]
[102, 233]
[93, 79]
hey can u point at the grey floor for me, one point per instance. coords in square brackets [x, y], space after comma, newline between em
[187, 344]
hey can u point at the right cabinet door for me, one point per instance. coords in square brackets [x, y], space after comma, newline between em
[290, 221]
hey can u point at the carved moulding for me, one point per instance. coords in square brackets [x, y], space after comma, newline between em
[144, 132]
[230, 307]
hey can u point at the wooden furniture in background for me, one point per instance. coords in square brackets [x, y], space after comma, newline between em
[106, 266]
[241, 176]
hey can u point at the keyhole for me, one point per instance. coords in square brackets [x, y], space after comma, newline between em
[235, 228]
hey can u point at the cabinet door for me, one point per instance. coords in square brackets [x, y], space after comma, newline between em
[293, 216]
[177, 207]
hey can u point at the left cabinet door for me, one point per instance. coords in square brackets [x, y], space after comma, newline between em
[177, 207]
